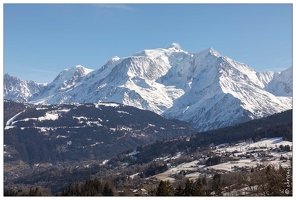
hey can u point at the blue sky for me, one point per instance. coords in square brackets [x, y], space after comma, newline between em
[40, 40]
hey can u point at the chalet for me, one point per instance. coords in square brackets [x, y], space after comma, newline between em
[140, 192]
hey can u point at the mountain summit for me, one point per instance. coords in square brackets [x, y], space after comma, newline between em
[205, 89]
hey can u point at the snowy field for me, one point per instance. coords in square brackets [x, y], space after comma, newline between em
[190, 166]
[264, 142]
[265, 146]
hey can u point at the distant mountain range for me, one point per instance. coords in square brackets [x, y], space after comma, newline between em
[205, 89]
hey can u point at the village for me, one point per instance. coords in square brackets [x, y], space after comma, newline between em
[243, 156]
[239, 157]
[219, 159]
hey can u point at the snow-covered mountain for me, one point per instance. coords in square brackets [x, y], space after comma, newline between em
[57, 91]
[206, 89]
[18, 90]
[281, 84]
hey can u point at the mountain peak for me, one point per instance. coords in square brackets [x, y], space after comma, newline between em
[76, 71]
[175, 46]
[81, 69]
[209, 51]
[113, 60]
[213, 52]
[110, 62]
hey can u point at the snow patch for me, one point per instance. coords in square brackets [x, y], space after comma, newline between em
[9, 122]
[92, 145]
[133, 153]
[123, 112]
[115, 105]
[80, 118]
[62, 136]
[49, 116]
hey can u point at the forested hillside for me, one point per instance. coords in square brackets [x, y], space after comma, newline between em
[142, 161]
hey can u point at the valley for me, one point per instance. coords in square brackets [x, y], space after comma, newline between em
[160, 122]
[138, 170]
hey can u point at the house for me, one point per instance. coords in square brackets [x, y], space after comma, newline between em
[140, 192]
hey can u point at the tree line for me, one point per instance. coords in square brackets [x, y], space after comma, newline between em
[267, 180]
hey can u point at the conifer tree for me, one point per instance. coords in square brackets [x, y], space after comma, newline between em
[164, 189]
[179, 191]
[189, 189]
[107, 191]
[199, 188]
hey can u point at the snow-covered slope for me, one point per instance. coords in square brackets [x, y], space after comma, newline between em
[18, 90]
[225, 92]
[206, 89]
[56, 91]
[281, 84]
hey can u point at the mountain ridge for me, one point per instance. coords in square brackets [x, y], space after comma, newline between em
[53, 133]
[178, 84]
